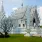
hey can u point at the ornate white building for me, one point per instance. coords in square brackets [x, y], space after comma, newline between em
[25, 18]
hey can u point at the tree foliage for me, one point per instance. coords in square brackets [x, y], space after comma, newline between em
[6, 25]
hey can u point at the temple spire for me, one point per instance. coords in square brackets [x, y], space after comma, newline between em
[22, 3]
[2, 8]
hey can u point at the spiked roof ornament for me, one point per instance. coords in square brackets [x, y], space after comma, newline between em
[2, 8]
[22, 3]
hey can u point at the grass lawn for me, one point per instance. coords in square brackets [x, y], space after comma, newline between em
[21, 38]
[40, 26]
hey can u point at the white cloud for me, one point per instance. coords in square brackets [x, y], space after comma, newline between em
[40, 14]
[14, 9]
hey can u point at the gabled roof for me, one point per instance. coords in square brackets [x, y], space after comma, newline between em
[19, 13]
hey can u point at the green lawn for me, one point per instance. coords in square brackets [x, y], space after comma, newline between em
[21, 38]
[40, 26]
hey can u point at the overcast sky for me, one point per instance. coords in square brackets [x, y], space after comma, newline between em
[10, 5]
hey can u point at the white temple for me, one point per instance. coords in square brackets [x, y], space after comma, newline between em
[25, 18]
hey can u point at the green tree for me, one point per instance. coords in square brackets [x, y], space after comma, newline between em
[6, 25]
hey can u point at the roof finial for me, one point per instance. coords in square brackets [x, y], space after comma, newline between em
[22, 3]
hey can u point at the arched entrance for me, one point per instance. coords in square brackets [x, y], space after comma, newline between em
[34, 22]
